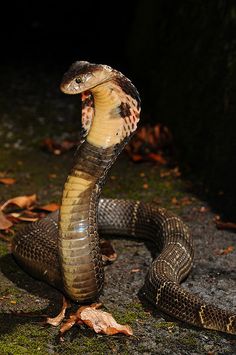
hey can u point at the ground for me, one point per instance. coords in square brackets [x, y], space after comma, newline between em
[32, 110]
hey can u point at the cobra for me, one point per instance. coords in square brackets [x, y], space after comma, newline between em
[63, 249]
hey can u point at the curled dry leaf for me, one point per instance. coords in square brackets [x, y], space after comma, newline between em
[27, 201]
[103, 322]
[4, 222]
[7, 181]
[25, 217]
[57, 147]
[100, 321]
[225, 225]
[51, 207]
[150, 144]
[55, 321]
[157, 158]
[227, 250]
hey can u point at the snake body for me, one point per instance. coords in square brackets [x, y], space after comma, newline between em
[63, 249]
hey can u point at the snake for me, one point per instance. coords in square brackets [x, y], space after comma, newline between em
[63, 248]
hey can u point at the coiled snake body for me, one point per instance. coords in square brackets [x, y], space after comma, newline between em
[63, 249]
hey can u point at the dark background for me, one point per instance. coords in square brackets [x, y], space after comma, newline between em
[180, 55]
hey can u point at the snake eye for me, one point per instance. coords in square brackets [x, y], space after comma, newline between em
[78, 80]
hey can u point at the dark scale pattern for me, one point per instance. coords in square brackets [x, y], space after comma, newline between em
[126, 218]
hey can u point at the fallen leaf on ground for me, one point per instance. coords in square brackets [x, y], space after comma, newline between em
[7, 181]
[50, 207]
[184, 201]
[135, 270]
[58, 148]
[226, 251]
[204, 209]
[4, 222]
[174, 201]
[27, 201]
[157, 158]
[23, 217]
[150, 144]
[175, 172]
[55, 321]
[108, 252]
[225, 225]
[100, 321]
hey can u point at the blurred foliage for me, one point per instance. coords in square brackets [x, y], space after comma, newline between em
[183, 54]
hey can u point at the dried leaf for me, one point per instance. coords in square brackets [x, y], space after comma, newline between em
[26, 216]
[51, 207]
[150, 143]
[58, 148]
[225, 225]
[108, 252]
[100, 321]
[135, 270]
[4, 222]
[23, 218]
[204, 209]
[136, 157]
[7, 181]
[157, 158]
[185, 201]
[103, 322]
[227, 250]
[171, 172]
[174, 201]
[55, 321]
[21, 201]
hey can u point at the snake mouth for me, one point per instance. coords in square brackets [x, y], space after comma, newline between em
[72, 88]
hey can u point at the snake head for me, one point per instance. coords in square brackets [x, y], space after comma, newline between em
[83, 76]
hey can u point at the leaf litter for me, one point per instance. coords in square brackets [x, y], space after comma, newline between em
[100, 321]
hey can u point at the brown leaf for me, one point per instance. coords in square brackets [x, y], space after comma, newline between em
[108, 252]
[4, 222]
[185, 201]
[21, 201]
[135, 270]
[204, 209]
[136, 157]
[227, 250]
[157, 158]
[55, 321]
[100, 321]
[23, 217]
[225, 225]
[7, 181]
[174, 201]
[58, 148]
[50, 207]
[103, 322]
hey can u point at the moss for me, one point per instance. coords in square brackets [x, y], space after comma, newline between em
[3, 248]
[26, 339]
[133, 312]
[188, 340]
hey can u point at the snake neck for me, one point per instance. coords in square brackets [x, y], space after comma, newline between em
[79, 249]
